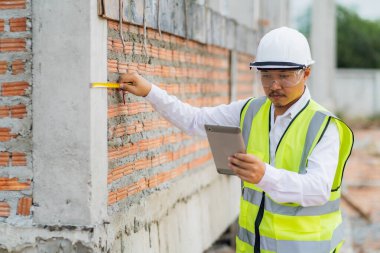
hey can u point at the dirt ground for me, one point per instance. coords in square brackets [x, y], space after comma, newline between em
[362, 191]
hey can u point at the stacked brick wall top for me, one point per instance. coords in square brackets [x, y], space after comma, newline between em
[15, 109]
[146, 152]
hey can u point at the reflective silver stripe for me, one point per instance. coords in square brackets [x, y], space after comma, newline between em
[266, 243]
[337, 237]
[286, 246]
[254, 197]
[312, 131]
[251, 112]
[246, 236]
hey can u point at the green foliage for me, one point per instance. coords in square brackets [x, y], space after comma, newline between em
[358, 39]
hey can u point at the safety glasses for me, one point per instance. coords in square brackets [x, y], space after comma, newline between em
[285, 78]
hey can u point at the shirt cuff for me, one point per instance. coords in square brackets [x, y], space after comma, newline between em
[270, 178]
[153, 93]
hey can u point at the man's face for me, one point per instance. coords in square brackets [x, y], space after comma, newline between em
[283, 87]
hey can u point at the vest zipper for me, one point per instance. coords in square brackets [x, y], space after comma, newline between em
[258, 220]
[260, 213]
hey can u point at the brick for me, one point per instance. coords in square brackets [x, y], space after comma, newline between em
[17, 24]
[121, 193]
[2, 24]
[14, 88]
[18, 159]
[143, 164]
[3, 67]
[133, 189]
[5, 158]
[12, 4]
[18, 67]
[121, 171]
[4, 209]
[117, 46]
[112, 66]
[5, 134]
[13, 184]
[111, 198]
[12, 45]
[16, 111]
[115, 153]
[23, 207]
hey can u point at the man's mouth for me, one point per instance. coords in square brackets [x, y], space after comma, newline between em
[276, 95]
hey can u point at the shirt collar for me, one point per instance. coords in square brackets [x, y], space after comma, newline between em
[297, 106]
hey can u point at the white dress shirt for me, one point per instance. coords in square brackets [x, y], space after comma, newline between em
[310, 189]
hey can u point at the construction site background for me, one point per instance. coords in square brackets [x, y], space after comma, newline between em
[81, 170]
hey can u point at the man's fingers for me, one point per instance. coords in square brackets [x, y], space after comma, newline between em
[128, 77]
[249, 158]
[240, 163]
[239, 171]
[127, 86]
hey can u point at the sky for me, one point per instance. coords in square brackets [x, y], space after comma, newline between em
[368, 9]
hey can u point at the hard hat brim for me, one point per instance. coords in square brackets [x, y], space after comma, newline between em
[276, 65]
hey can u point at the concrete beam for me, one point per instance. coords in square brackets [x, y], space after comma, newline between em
[69, 118]
[194, 20]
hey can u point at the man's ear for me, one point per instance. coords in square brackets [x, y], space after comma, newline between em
[307, 73]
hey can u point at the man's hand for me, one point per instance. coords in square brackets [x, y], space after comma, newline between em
[135, 84]
[248, 167]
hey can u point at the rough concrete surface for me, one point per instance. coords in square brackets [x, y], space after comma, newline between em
[194, 216]
[69, 129]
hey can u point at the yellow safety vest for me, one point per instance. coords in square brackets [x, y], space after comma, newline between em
[267, 226]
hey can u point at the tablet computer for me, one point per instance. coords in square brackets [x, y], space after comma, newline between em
[224, 141]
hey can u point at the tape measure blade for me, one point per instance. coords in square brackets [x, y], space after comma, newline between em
[105, 85]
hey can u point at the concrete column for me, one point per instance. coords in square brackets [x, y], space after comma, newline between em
[323, 47]
[69, 118]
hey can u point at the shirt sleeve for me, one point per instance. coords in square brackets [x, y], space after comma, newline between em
[312, 188]
[192, 119]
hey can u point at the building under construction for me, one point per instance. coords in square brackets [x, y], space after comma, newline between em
[92, 170]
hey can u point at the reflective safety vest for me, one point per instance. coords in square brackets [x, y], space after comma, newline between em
[268, 226]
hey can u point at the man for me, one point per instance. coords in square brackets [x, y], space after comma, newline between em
[296, 151]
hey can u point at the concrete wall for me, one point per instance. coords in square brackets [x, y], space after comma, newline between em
[273, 14]
[356, 93]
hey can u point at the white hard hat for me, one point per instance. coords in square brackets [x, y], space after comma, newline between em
[283, 48]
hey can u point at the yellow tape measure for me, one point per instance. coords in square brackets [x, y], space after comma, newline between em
[108, 85]
[105, 85]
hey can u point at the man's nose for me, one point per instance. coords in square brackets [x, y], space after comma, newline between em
[275, 84]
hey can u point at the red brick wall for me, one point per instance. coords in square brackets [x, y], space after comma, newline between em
[245, 76]
[15, 112]
[145, 151]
